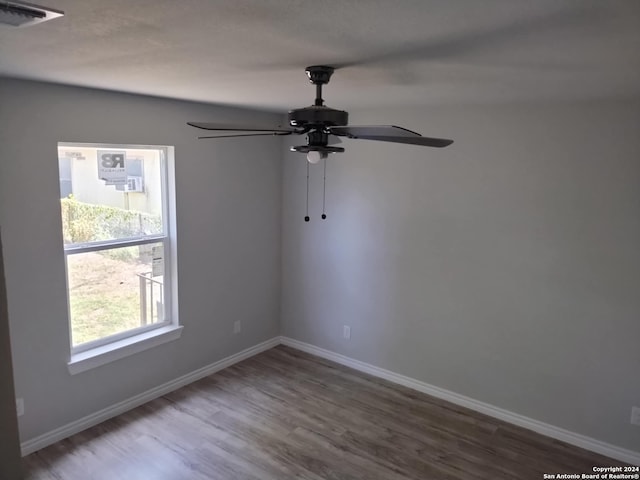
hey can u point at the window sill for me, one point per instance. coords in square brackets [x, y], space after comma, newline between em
[81, 362]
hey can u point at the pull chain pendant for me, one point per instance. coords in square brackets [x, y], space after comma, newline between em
[324, 189]
[306, 217]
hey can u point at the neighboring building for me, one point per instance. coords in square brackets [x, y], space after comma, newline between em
[133, 182]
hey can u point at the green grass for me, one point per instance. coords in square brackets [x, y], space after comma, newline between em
[95, 315]
[104, 294]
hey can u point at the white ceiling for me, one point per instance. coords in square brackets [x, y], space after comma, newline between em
[401, 52]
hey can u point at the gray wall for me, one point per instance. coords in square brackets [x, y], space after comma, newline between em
[228, 221]
[505, 267]
[9, 437]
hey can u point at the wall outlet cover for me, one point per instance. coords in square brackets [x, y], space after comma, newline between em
[635, 416]
[346, 332]
[20, 406]
[237, 327]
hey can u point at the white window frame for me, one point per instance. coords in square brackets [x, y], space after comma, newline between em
[112, 347]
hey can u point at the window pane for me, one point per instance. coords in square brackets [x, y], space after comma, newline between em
[110, 193]
[115, 290]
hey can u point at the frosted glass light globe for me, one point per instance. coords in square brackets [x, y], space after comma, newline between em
[315, 156]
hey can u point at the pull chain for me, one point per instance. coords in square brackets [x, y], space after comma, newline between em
[324, 188]
[306, 217]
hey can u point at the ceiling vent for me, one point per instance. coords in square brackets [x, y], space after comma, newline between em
[21, 14]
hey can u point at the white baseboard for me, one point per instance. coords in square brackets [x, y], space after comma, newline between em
[572, 438]
[81, 424]
[557, 433]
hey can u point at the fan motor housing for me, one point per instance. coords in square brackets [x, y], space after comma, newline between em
[317, 116]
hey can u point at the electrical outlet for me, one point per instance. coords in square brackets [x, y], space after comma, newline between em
[237, 327]
[635, 416]
[20, 406]
[346, 332]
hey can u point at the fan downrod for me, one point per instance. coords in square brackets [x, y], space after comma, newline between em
[319, 75]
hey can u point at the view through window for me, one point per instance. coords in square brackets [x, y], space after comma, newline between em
[115, 228]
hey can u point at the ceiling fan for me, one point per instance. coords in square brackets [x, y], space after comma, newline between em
[321, 123]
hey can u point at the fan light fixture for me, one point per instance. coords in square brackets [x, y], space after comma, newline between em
[315, 156]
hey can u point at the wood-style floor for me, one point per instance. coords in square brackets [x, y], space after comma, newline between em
[284, 414]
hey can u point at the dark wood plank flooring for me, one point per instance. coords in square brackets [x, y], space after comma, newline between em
[285, 414]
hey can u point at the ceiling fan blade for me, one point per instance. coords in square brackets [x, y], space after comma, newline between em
[424, 141]
[358, 131]
[241, 128]
[388, 133]
[265, 134]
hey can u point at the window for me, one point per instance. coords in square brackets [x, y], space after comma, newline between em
[119, 246]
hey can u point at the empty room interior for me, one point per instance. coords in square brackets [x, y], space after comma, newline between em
[278, 239]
